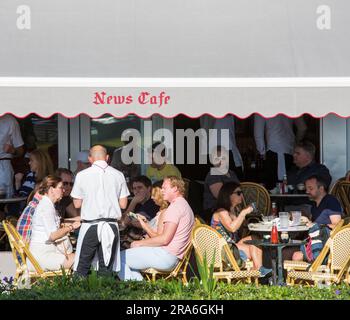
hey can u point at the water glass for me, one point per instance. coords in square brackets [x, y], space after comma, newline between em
[284, 220]
[296, 215]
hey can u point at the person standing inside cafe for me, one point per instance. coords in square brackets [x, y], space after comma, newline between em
[101, 192]
[11, 145]
[275, 139]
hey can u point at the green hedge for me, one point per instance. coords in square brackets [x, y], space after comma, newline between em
[97, 288]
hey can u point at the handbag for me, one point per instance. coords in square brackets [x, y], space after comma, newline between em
[64, 246]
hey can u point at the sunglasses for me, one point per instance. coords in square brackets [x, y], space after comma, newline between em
[66, 183]
[238, 193]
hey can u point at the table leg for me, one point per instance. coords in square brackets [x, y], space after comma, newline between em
[273, 265]
[280, 266]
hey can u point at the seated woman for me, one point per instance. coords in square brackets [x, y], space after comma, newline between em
[216, 177]
[227, 219]
[46, 228]
[154, 227]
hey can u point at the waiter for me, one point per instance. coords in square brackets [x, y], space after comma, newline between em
[11, 145]
[101, 192]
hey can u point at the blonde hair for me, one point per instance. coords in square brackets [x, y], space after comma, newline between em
[45, 166]
[177, 182]
[157, 196]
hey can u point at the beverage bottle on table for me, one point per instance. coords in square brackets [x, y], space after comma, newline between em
[274, 210]
[274, 233]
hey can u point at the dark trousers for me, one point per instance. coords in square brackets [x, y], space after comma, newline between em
[90, 246]
[270, 167]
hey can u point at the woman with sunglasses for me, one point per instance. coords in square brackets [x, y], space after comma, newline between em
[227, 219]
[216, 177]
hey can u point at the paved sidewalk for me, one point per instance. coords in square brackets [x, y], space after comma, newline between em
[7, 265]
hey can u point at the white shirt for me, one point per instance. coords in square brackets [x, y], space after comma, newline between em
[45, 221]
[100, 187]
[10, 133]
[279, 135]
[228, 123]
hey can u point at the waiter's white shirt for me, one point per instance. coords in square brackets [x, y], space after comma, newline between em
[228, 122]
[279, 135]
[45, 221]
[10, 133]
[100, 187]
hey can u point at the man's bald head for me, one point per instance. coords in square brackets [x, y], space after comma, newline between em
[98, 152]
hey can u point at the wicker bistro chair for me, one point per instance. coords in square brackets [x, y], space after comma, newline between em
[208, 242]
[303, 265]
[254, 192]
[337, 266]
[179, 271]
[20, 253]
[341, 190]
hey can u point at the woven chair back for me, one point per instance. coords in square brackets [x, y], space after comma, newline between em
[340, 249]
[254, 192]
[341, 190]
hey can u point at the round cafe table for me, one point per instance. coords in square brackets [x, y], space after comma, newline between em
[12, 200]
[266, 227]
[278, 246]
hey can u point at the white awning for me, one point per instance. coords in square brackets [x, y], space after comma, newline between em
[170, 97]
[209, 56]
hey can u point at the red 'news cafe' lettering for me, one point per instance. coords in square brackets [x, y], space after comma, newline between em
[103, 98]
[143, 98]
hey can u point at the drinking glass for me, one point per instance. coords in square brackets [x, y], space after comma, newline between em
[284, 219]
[296, 215]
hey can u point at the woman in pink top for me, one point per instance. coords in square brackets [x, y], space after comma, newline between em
[163, 251]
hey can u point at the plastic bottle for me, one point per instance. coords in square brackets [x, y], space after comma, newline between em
[274, 210]
[274, 233]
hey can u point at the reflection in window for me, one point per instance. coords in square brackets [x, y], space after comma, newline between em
[107, 131]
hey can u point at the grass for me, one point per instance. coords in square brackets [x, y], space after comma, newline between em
[107, 288]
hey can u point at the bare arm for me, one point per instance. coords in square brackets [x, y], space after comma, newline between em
[72, 212]
[145, 226]
[77, 203]
[123, 202]
[233, 224]
[61, 232]
[334, 220]
[160, 240]
[17, 152]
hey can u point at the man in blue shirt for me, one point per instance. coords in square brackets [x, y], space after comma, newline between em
[326, 208]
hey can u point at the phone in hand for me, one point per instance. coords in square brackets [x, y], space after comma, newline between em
[132, 216]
